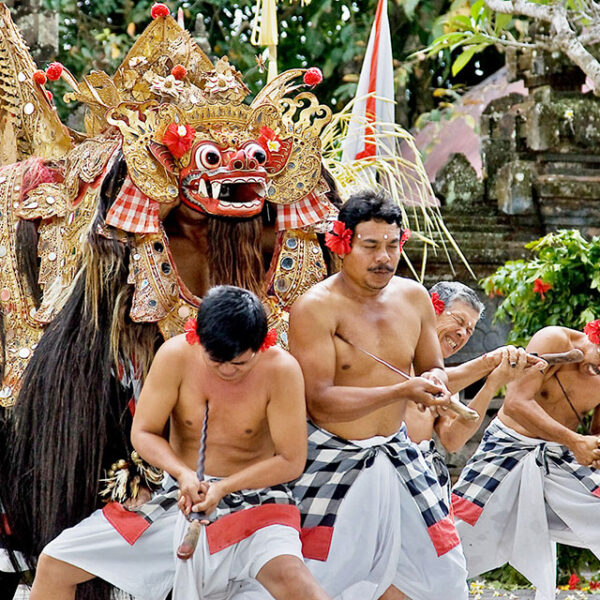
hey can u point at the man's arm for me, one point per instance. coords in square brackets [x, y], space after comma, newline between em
[520, 403]
[286, 418]
[156, 403]
[454, 431]
[312, 329]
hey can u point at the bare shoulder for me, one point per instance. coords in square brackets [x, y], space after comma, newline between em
[408, 290]
[317, 302]
[173, 353]
[280, 364]
[551, 339]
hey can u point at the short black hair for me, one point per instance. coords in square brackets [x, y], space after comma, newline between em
[367, 205]
[230, 322]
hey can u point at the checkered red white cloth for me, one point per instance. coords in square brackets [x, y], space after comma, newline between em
[308, 211]
[133, 211]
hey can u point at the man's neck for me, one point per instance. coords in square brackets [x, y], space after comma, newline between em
[358, 292]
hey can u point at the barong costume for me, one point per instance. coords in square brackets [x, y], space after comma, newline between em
[516, 497]
[134, 549]
[374, 515]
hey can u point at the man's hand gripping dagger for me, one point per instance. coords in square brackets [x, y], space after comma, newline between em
[197, 519]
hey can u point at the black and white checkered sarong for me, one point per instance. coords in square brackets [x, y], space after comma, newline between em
[499, 452]
[334, 464]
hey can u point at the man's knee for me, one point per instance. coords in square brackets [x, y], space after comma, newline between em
[288, 577]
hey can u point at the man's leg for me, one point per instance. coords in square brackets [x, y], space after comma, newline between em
[286, 577]
[392, 593]
[56, 580]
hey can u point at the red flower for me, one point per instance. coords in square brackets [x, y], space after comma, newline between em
[191, 336]
[39, 77]
[54, 71]
[405, 237]
[268, 140]
[438, 303]
[539, 287]
[179, 139]
[159, 10]
[592, 330]
[313, 76]
[594, 585]
[179, 72]
[270, 340]
[573, 582]
[340, 239]
[50, 95]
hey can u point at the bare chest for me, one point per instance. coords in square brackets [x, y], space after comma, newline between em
[569, 395]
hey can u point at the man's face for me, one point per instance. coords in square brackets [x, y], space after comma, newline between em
[591, 359]
[235, 369]
[455, 326]
[375, 254]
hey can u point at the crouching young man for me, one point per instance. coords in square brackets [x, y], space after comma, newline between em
[234, 405]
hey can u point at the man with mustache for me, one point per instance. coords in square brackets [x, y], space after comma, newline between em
[373, 513]
[533, 481]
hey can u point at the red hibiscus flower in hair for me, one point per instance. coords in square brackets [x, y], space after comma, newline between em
[539, 287]
[592, 330]
[191, 336]
[54, 71]
[179, 139]
[438, 303]
[313, 76]
[405, 237]
[270, 340]
[159, 10]
[340, 239]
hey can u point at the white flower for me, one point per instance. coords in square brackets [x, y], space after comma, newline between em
[568, 114]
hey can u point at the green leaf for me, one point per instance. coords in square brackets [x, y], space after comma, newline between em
[462, 59]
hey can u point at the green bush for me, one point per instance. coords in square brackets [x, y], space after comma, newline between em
[567, 262]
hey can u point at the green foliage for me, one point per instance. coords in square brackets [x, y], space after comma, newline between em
[566, 261]
[331, 34]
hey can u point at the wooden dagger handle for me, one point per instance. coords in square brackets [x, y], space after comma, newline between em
[190, 541]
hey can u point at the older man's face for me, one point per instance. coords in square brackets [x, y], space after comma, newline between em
[455, 326]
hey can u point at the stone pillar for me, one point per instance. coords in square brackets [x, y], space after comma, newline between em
[39, 28]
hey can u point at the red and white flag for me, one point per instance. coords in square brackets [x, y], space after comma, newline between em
[376, 79]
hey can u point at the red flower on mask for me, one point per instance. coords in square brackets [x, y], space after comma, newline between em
[54, 71]
[40, 77]
[313, 76]
[268, 140]
[191, 335]
[179, 72]
[179, 139]
[438, 303]
[270, 340]
[159, 10]
[592, 330]
[339, 240]
[539, 287]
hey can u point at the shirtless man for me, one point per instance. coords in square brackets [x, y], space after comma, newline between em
[533, 480]
[373, 514]
[457, 312]
[249, 398]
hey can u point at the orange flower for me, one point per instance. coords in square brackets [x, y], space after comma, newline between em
[191, 336]
[340, 239]
[405, 237]
[539, 287]
[270, 340]
[40, 77]
[592, 330]
[438, 303]
[179, 72]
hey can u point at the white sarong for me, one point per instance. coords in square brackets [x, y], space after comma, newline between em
[380, 538]
[537, 503]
